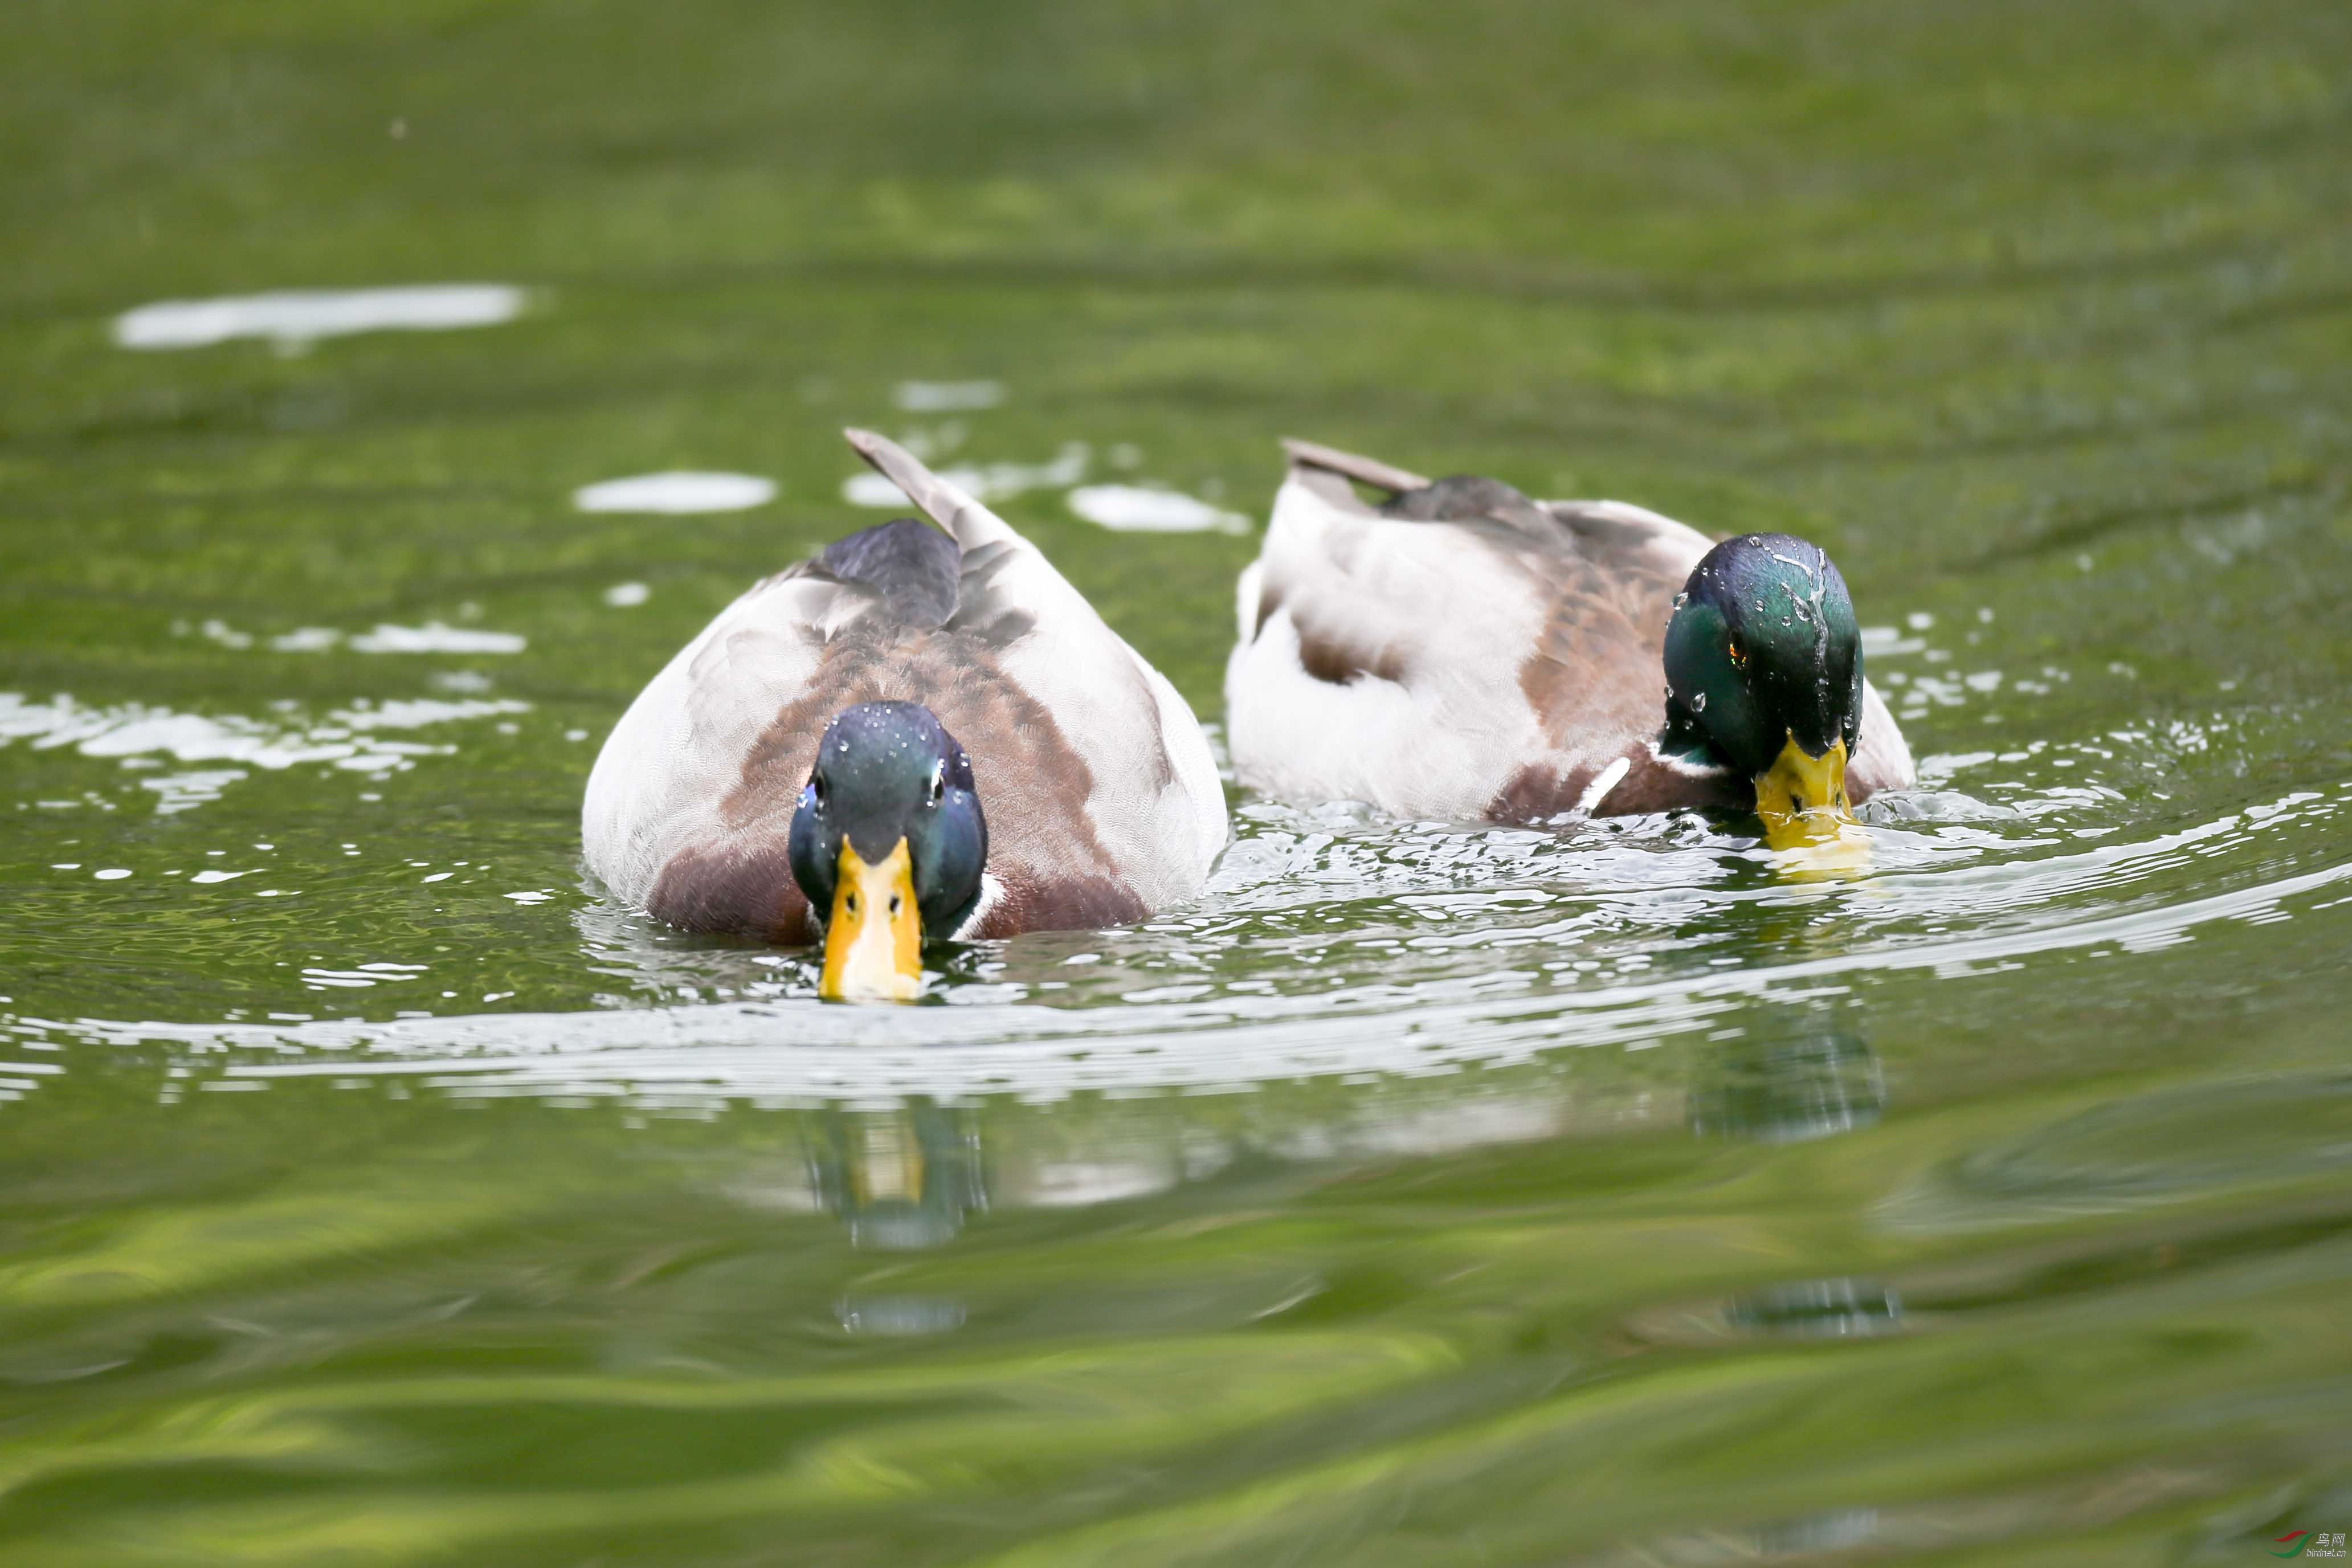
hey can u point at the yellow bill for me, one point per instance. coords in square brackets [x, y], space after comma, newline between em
[874, 944]
[1802, 798]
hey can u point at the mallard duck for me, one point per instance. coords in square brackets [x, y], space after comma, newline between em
[1463, 652]
[814, 766]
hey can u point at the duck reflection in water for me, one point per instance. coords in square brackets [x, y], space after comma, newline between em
[902, 1180]
[1789, 1074]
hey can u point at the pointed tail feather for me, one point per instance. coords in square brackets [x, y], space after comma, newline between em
[1348, 464]
[967, 521]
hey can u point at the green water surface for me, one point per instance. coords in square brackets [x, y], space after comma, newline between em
[374, 1190]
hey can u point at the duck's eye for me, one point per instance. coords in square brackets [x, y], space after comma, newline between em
[939, 786]
[1739, 654]
[896, 905]
[816, 788]
[851, 904]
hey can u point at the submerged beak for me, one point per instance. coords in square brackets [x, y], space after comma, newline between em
[874, 943]
[1802, 798]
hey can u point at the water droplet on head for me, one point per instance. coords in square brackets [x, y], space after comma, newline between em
[1681, 599]
[1698, 701]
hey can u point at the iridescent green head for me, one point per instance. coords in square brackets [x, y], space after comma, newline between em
[1764, 665]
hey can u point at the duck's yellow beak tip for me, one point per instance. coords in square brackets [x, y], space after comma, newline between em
[1802, 801]
[874, 943]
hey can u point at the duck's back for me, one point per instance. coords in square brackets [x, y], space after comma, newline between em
[1427, 655]
[1101, 797]
[1465, 652]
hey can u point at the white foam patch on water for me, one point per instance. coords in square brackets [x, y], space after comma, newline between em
[1885, 642]
[946, 396]
[1135, 508]
[873, 490]
[989, 482]
[136, 734]
[296, 317]
[434, 638]
[677, 493]
[627, 596]
[365, 977]
[431, 637]
[184, 792]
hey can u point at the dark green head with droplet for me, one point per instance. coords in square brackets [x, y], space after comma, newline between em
[889, 844]
[1763, 660]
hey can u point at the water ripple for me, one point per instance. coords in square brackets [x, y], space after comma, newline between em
[789, 1048]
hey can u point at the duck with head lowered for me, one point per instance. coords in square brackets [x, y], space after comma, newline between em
[923, 732]
[1459, 651]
